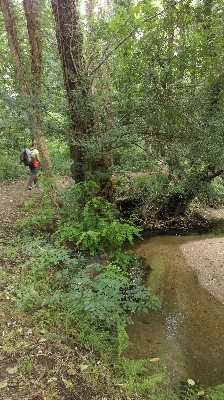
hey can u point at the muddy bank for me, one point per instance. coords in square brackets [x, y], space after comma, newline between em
[206, 257]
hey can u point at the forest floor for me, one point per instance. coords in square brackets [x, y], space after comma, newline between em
[33, 367]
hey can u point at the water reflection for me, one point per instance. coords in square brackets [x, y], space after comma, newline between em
[172, 322]
[187, 334]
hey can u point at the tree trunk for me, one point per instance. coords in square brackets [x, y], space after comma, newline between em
[69, 41]
[33, 14]
[29, 82]
[79, 96]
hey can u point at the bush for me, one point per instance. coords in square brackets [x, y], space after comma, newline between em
[92, 224]
[105, 293]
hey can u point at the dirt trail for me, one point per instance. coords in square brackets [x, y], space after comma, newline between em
[33, 365]
[12, 197]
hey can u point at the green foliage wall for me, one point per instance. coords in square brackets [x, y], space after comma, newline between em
[158, 86]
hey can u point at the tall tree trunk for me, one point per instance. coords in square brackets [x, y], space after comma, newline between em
[78, 89]
[69, 41]
[28, 81]
[33, 15]
[104, 79]
[106, 75]
[89, 8]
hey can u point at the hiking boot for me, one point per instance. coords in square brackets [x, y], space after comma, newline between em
[29, 187]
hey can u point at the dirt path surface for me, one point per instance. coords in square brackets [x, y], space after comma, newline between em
[35, 364]
[12, 197]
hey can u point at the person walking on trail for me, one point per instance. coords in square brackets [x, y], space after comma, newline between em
[34, 166]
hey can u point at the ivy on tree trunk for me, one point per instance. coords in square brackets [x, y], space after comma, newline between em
[79, 97]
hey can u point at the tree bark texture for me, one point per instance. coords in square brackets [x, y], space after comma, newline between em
[14, 45]
[29, 82]
[69, 39]
[78, 89]
[32, 11]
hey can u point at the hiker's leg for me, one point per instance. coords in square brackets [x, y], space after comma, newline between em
[36, 177]
[32, 177]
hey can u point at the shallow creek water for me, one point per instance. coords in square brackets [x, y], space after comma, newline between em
[187, 333]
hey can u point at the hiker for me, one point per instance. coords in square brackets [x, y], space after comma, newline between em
[34, 166]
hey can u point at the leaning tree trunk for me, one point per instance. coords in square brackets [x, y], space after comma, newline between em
[78, 90]
[28, 82]
[33, 15]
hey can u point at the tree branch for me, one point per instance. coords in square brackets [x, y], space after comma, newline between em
[214, 175]
[106, 56]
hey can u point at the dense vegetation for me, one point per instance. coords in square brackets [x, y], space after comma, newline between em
[144, 93]
[126, 100]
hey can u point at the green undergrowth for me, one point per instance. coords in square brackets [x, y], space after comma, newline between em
[79, 285]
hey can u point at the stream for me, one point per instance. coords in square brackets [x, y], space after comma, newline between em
[187, 333]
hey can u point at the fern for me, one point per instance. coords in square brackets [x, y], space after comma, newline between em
[135, 376]
[122, 339]
[149, 382]
[216, 393]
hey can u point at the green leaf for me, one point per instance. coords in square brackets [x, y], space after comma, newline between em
[13, 370]
[3, 384]
[134, 9]
[67, 383]
[191, 382]
[83, 367]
